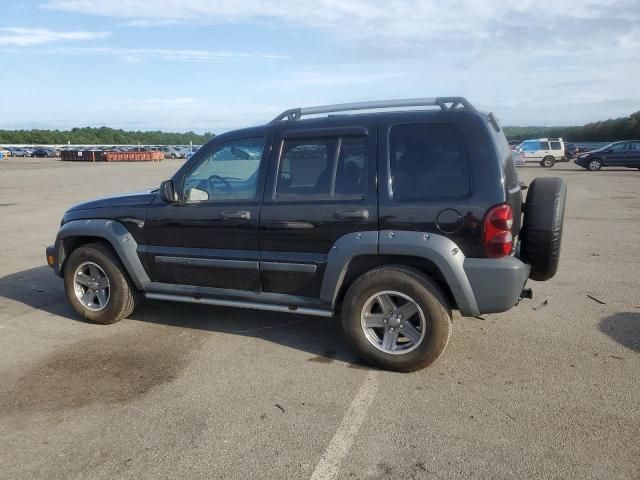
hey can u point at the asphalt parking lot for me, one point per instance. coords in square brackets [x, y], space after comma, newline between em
[550, 389]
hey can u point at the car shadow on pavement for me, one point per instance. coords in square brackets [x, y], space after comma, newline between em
[40, 289]
[624, 328]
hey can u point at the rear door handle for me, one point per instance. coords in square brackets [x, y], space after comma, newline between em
[241, 214]
[362, 214]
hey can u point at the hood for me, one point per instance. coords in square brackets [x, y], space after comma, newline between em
[126, 200]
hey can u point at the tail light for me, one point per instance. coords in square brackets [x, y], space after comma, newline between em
[497, 237]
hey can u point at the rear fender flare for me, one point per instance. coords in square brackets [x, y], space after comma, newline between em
[441, 251]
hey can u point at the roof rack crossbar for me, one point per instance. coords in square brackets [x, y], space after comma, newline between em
[445, 103]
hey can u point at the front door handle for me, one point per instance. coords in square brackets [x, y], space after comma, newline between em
[362, 214]
[241, 214]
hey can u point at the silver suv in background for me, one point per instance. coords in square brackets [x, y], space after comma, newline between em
[545, 151]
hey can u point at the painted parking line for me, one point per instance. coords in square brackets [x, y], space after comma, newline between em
[340, 444]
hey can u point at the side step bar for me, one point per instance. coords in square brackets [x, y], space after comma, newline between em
[238, 303]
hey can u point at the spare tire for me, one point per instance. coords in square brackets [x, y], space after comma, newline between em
[541, 232]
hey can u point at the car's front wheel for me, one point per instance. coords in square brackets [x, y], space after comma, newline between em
[396, 318]
[97, 285]
[595, 164]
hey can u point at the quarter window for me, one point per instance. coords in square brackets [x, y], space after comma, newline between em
[556, 145]
[428, 162]
[322, 168]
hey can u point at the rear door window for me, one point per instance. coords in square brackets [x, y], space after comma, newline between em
[428, 162]
[322, 169]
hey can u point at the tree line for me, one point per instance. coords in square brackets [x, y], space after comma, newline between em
[623, 128]
[604, 131]
[101, 136]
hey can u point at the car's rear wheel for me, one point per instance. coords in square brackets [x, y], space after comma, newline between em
[396, 318]
[595, 164]
[548, 162]
[97, 285]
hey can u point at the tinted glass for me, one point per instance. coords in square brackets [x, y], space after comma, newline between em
[230, 172]
[507, 159]
[427, 162]
[634, 147]
[351, 171]
[618, 147]
[322, 168]
[556, 145]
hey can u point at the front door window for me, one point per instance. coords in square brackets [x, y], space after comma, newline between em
[229, 173]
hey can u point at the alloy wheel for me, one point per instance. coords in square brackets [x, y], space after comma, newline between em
[393, 322]
[91, 286]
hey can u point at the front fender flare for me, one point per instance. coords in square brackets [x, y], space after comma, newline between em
[113, 232]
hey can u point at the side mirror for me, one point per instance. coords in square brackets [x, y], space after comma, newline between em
[168, 192]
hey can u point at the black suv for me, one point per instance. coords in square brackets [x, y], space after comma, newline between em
[391, 218]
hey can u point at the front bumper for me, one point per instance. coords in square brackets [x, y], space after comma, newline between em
[497, 284]
[53, 259]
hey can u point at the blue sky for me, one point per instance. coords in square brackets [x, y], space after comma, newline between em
[220, 64]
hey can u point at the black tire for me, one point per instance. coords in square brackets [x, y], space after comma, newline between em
[541, 233]
[425, 292]
[548, 162]
[594, 164]
[123, 294]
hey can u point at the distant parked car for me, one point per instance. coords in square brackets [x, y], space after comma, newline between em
[44, 153]
[514, 144]
[570, 150]
[518, 158]
[617, 154]
[172, 152]
[21, 152]
[545, 151]
[5, 152]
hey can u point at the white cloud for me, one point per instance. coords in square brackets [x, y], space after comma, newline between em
[339, 76]
[26, 37]
[531, 61]
[397, 21]
[186, 55]
[178, 114]
[146, 104]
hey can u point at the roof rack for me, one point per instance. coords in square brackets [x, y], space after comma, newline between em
[445, 103]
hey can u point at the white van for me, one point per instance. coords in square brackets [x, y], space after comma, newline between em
[545, 151]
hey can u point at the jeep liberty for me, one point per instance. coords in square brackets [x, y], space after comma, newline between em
[388, 215]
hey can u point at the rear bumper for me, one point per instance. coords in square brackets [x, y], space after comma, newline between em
[496, 283]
